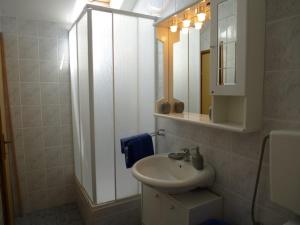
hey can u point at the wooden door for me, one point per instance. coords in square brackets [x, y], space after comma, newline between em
[205, 85]
[6, 188]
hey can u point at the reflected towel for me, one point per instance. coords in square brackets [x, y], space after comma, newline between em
[136, 148]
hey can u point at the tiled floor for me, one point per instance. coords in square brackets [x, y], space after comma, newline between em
[64, 215]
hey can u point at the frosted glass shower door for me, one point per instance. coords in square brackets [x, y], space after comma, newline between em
[126, 96]
[75, 101]
[103, 105]
[84, 106]
[146, 76]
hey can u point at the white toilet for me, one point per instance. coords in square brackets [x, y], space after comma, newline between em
[285, 171]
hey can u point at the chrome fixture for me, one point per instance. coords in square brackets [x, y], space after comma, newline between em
[159, 132]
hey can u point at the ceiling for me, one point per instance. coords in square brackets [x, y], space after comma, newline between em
[64, 11]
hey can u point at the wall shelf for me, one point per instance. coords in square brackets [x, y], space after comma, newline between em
[203, 120]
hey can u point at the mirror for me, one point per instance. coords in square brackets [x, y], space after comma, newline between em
[226, 42]
[191, 64]
[184, 60]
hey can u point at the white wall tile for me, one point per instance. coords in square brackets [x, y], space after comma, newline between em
[39, 104]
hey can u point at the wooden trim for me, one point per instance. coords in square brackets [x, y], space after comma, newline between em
[4, 135]
[11, 135]
[201, 80]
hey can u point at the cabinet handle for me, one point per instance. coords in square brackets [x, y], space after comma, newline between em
[172, 207]
[156, 195]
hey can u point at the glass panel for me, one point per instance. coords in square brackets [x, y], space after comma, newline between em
[146, 79]
[84, 106]
[75, 102]
[103, 105]
[126, 92]
[226, 42]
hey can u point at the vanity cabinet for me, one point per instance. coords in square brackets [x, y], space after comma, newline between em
[190, 208]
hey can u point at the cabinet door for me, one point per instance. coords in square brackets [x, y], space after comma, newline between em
[151, 207]
[173, 213]
[228, 40]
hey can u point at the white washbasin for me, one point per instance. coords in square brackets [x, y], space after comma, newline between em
[172, 176]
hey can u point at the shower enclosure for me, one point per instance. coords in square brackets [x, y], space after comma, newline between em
[113, 92]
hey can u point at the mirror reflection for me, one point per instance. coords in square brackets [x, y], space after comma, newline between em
[226, 42]
[191, 69]
[160, 69]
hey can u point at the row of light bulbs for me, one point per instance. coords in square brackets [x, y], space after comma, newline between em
[198, 21]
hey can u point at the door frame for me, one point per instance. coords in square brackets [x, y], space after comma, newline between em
[5, 133]
[201, 77]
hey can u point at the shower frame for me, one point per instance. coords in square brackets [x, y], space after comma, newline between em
[144, 69]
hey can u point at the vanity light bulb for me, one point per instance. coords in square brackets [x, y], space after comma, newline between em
[186, 23]
[185, 30]
[198, 25]
[201, 16]
[173, 28]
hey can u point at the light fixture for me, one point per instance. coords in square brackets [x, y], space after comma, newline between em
[201, 16]
[184, 30]
[173, 28]
[186, 21]
[194, 16]
[198, 25]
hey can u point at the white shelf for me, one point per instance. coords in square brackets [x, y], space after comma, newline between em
[203, 120]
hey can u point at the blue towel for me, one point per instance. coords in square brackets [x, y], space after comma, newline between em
[214, 222]
[136, 148]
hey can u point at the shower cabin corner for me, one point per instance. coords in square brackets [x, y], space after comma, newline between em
[112, 64]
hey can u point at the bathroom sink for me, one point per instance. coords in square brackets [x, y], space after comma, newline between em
[172, 176]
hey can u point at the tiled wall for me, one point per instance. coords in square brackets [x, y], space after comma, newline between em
[39, 91]
[235, 156]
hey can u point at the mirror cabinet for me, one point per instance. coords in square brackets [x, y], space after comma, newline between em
[210, 59]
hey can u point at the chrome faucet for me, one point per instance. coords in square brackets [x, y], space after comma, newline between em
[187, 154]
